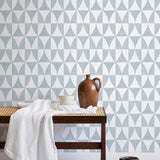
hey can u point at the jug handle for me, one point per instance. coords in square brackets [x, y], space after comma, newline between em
[100, 83]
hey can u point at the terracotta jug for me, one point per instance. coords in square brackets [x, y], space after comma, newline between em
[88, 92]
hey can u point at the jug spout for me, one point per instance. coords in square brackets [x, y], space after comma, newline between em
[88, 76]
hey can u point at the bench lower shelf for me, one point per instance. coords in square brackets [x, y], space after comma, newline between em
[72, 145]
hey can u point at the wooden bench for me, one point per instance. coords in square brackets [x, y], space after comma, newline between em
[98, 117]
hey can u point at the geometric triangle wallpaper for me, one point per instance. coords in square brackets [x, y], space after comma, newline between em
[48, 46]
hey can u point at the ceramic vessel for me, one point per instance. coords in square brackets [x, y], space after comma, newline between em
[66, 99]
[88, 92]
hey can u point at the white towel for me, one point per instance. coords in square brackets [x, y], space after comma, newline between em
[31, 135]
[73, 108]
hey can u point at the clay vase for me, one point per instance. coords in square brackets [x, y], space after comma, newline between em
[88, 92]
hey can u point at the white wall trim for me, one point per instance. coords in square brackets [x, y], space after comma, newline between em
[96, 155]
[110, 156]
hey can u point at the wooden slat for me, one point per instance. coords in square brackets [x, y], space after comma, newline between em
[4, 119]
[79, 119]
[2, 145]
[72, 145]
[78, 145]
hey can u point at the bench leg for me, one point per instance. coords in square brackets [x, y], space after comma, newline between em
[103, 141]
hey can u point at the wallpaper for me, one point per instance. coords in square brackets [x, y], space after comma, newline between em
[48, 46]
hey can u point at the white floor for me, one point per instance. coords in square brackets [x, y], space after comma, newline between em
[95, 156]
[3, 156]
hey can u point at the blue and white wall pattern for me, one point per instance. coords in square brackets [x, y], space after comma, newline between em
[47, 46]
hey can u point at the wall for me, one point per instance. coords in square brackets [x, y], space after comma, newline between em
[46, 48]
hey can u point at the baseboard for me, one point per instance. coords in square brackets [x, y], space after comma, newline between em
[109, 156]
[141, 156]
[85, 155]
